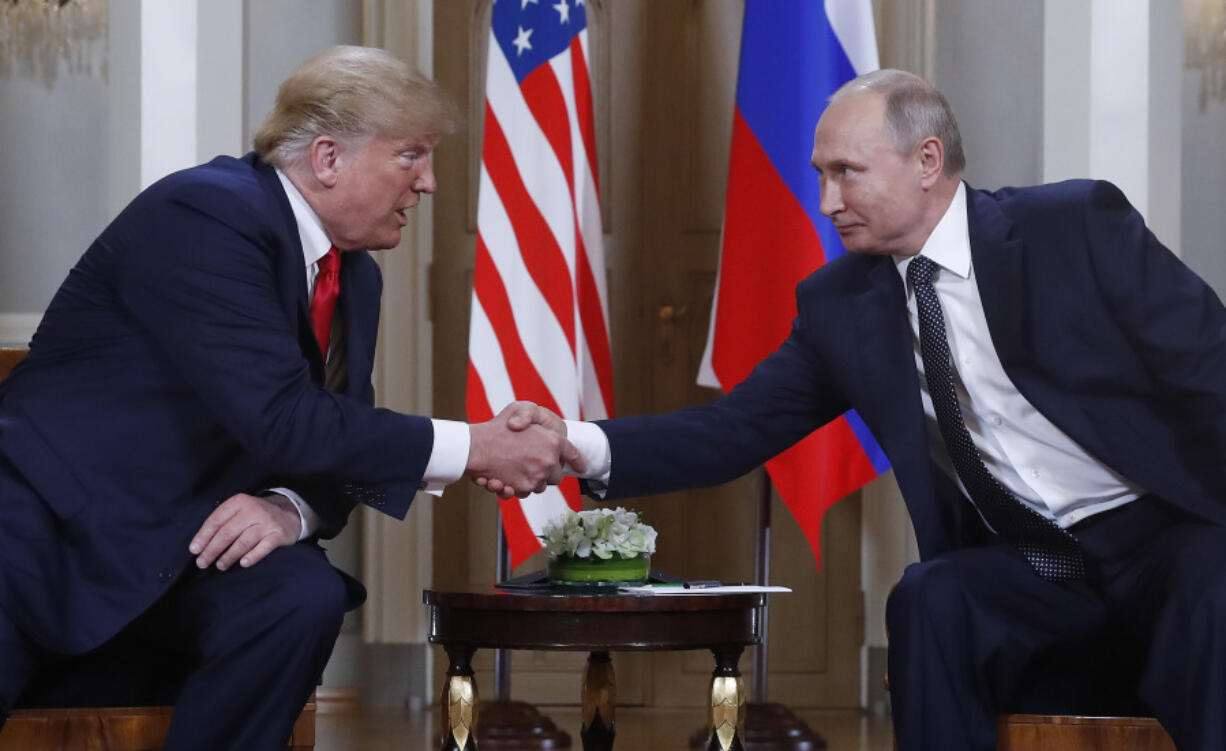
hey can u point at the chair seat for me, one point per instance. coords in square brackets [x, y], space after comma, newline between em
[1028, 732]
[102, 728]
[114, 729]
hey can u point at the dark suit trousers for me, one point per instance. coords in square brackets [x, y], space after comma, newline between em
[238, 651]
[975, 632]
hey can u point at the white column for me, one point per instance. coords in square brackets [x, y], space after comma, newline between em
[176, 94]
[167, 88]
[124, 32]
[220, 64]
[1111, 107]
[1166, 54]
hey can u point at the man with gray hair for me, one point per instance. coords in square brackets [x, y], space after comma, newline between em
[196, 412]
[1047, 381]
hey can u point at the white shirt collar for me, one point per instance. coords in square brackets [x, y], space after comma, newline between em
[315, 242]
[949, 245]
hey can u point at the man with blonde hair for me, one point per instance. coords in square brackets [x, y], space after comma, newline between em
[196, 411]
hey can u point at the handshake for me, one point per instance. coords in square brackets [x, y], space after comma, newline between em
[521, 451]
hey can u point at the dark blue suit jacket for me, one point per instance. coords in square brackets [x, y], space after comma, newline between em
[175, 367]
[1098, 325]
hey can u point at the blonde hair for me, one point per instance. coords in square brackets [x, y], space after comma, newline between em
[349, 93]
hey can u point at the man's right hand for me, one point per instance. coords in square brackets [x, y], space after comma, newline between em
[521, 451]
[244, 529]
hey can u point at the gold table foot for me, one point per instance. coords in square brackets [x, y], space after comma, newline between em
[599, 699]
[458, 703]
[727, 702]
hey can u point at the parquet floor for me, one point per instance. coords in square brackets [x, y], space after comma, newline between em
[637, 729]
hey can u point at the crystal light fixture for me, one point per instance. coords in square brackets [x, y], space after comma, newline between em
[1206, 46]
[37, 37]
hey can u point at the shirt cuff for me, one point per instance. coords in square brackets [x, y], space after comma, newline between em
[449, 456]
[593, 446]
[307, 517]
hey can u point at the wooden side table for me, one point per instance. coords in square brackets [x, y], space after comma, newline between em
[598, 624]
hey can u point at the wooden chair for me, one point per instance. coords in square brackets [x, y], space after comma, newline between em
[1060, 732]
[1050, 732]
[113, 729]
[8, 359]
[1027, 732]
[1094, 679]
[107, 728]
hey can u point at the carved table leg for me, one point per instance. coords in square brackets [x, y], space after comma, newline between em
[727, 702]
[459, 702]
[599, 697]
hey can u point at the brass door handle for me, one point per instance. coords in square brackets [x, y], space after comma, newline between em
[669, 313]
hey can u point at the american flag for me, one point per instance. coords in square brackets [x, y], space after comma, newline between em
[539, 326]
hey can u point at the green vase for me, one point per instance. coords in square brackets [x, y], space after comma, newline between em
[589, 571]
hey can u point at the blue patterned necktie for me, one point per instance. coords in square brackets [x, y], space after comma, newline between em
[1052, 551]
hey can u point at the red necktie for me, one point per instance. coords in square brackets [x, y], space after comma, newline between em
[323, 304]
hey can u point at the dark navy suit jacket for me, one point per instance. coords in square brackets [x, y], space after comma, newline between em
[1097, 324]
[175, 367]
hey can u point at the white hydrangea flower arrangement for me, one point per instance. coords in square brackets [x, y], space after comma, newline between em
[601, 533]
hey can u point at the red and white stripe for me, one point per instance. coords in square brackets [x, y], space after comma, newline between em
[539, 327]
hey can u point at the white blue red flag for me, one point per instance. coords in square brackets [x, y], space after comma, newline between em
[539, 326]
[794, 55]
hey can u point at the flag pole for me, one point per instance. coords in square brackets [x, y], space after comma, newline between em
[502, 657]
[762, 575]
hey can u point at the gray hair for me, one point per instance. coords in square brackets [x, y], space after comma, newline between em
[914, 110]
[348, 93]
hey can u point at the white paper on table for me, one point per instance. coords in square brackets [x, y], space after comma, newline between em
[724, 589]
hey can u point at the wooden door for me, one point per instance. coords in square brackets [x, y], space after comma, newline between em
[665, 74]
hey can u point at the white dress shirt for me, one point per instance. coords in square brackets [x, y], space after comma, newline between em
[1029, 455]
[449, 454]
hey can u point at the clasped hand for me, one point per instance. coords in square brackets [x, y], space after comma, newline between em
[521, 451]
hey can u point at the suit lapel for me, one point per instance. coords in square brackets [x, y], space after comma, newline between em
[291, 269]
[998, 267]
[892, 408]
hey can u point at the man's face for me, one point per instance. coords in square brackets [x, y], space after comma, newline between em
[378, 180]
[871, 192]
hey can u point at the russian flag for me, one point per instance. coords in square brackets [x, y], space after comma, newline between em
[794, 55]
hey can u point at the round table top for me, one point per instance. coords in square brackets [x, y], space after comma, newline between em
[593, 622]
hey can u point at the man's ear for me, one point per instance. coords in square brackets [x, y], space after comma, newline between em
[324, 157]
[931, 154]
